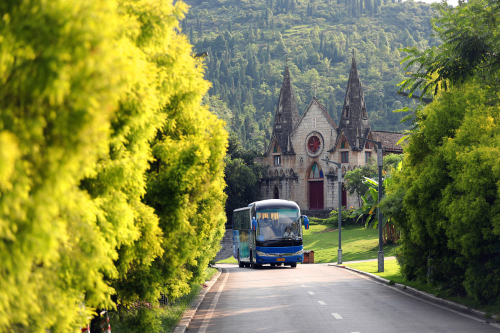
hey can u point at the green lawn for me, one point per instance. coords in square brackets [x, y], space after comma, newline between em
[358, 243]
[229, 260]
[391, 272]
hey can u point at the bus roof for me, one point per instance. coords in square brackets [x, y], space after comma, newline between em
[275, 204]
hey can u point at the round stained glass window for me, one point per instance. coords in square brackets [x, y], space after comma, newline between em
[314, 144]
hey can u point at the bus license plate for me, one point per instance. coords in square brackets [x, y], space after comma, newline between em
[280, 259]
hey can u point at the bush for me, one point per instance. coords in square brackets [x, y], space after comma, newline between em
[333, 219]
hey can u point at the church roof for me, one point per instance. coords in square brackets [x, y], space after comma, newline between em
[330, 120]
[389, 140]
[287, 114]
[354, 119]
[315, 101]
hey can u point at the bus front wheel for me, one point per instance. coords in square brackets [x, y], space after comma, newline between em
[252, 264]
[293, 264]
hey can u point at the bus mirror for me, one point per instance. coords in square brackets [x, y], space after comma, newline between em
[254, 224]
[306, 221]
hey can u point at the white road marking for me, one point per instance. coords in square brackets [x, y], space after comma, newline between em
[321, 302]
[336, 315]
[303, 285]
[210, 311]
[310, 293]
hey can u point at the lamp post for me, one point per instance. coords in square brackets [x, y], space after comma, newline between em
[380, 240]
[339, 180]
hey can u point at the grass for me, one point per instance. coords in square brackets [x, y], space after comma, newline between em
[392, 272]
[169, 315]
[229, 260]
[358, 243]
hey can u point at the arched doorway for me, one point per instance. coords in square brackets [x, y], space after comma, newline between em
[276, 193]
[316, 198]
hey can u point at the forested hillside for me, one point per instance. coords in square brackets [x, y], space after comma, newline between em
[249, 42]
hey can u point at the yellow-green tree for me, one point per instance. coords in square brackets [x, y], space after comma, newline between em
[110, 169]
[185, 182]
[60, 80]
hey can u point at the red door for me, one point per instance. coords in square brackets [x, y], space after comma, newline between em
[316, 195]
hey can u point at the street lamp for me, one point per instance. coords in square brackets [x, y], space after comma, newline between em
[339, 179]
[380, 241]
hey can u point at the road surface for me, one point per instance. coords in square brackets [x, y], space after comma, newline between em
[319, 298]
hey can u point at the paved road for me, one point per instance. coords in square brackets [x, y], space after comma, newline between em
[318, 298]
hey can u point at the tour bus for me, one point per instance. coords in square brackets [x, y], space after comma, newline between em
[268, 232]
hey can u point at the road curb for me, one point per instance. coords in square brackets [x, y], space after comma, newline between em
[183, 324]
[420, 293]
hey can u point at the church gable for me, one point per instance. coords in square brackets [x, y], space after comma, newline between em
[313, 133]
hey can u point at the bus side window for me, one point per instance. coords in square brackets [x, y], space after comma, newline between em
[236, 221]
[245, 220]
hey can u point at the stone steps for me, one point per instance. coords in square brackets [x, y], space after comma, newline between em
[226, 244]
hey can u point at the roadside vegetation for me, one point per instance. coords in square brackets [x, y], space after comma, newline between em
[111, 167]
[167, 315]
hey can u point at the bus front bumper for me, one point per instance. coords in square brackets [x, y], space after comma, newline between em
[278, 260]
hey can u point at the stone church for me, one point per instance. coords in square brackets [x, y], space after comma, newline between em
[299, 145]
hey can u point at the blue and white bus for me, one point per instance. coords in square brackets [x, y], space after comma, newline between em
[268, 232]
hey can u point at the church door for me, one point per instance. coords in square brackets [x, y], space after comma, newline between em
[316, 198]
[276, 193]
[316, 195]
[344, 196]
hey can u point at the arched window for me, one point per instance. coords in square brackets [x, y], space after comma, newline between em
[275, 148]
[344, 143]
[316, 172]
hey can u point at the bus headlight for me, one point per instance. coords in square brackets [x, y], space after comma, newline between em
[262, 254]
[298, 253]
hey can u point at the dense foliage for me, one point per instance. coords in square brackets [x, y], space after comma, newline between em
[446, 198]
[111, 170]
[450, 185]
[242, 176]
[472, 49]
[248, 42]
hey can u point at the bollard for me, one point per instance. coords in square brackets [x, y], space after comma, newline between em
[105, 327]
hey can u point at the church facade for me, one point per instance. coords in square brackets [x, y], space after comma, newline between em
[299, 147]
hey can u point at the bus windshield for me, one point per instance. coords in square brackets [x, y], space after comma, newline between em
[278, 224]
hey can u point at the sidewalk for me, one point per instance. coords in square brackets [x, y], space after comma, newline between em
[365, 260]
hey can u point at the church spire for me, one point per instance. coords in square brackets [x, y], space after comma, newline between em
[354, 117]
[287, 114]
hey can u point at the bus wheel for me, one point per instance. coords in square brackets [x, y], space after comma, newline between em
[252, 264]
[272, 265]
[293, 264]
[240, 264]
